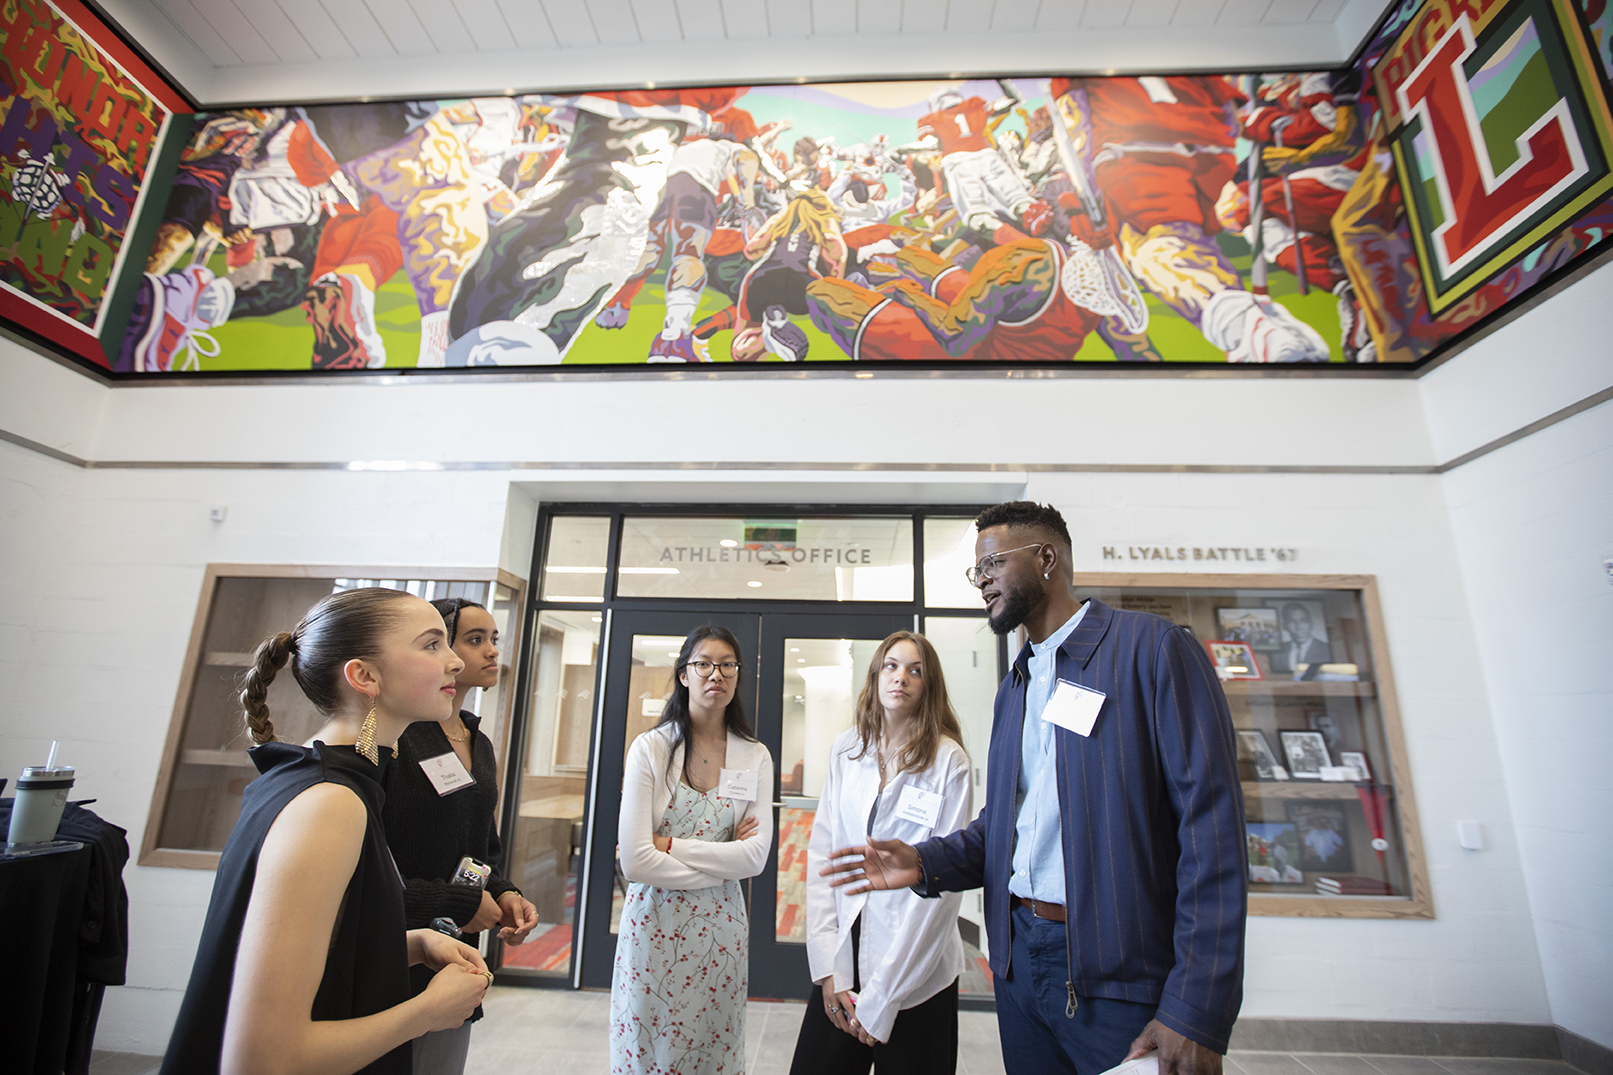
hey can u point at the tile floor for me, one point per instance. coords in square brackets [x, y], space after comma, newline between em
[566, 1032]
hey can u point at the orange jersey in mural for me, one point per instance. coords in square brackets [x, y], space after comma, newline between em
[961, 128]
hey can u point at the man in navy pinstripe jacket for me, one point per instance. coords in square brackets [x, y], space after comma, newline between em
[1111, 848]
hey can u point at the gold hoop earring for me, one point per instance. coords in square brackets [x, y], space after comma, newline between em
[366, 737]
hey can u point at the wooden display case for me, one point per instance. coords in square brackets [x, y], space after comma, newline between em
[1340, 819]
[205, 767]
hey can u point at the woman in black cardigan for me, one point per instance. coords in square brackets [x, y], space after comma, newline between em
[441, 802]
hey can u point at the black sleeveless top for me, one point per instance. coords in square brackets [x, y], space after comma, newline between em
[367, 970]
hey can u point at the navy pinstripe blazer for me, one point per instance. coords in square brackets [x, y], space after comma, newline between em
[1155, 861]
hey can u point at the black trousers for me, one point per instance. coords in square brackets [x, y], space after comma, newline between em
[924, 1041]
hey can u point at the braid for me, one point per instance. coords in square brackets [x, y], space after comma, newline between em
[271, 656]
[450, 608]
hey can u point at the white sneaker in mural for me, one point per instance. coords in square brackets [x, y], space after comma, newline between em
[172, 316]
[1253, 328]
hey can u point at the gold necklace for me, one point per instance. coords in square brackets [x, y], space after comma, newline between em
[879, 753]
[458, 738]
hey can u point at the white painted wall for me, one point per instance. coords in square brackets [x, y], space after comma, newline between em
[103, 568]
[1533, 524]
[706, 418]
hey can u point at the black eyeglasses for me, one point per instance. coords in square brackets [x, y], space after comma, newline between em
[729, 669]
[987, 568]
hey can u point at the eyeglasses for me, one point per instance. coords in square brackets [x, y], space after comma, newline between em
[729, 669]
[987, 568]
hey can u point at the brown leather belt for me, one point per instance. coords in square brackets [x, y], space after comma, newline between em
[1053, 912]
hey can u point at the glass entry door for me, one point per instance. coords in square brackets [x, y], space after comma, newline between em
[812, 669]
[801, 678]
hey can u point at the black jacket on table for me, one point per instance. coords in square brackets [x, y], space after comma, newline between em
[430, 833]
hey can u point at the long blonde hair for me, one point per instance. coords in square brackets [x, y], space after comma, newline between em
[936, 717]
[811, 212]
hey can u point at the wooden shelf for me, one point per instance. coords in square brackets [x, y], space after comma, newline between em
[226, 659]
[1300, 789]
[1287, 688]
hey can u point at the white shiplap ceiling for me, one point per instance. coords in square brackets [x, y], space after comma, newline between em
[232, 51]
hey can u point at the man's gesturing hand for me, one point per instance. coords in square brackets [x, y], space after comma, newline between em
[882, 864]
[1177, 1055]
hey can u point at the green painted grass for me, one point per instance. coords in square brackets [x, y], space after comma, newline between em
[285, 341]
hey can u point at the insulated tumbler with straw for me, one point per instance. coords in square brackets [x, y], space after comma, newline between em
[41, 796]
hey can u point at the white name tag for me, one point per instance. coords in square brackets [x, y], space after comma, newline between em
[919, 806]
[446, 773]
[1074, 707]
[737, 784]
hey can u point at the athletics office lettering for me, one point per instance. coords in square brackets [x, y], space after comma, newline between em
[707, 554]
[1208, 552]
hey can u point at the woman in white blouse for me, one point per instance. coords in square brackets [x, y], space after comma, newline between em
[885, 964]
[695, 797]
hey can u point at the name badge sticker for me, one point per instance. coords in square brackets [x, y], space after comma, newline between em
[446, 773]
[1074, 707]
[737, 784]
[919, 806]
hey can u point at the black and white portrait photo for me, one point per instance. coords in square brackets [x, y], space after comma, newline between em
[1306, 753]
[1303, 629]
[1256, 752]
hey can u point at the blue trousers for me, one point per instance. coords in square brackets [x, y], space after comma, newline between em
[1037, 1037]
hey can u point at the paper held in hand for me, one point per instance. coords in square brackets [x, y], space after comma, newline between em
[1143, 1065]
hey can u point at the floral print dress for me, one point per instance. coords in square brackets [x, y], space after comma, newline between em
[677, 998]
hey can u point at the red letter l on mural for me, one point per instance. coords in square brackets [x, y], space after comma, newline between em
[1479, 206]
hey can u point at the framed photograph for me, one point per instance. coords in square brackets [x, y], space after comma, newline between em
[1256, 626]
[1324, 836]
[1306, 753]
[1302, 637]
[1233, 660]
[1256, 751]
[1356, 761]
[1274, 852]
[1320, 720]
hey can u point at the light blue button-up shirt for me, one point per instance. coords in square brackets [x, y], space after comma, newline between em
[1038, 852]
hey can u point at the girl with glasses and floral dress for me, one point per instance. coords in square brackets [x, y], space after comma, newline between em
[695, 822]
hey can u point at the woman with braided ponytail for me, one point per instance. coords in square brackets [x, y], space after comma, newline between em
[303, 965]
[441, 798]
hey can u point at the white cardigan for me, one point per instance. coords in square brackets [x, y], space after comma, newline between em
[910, 945]
[646, 793]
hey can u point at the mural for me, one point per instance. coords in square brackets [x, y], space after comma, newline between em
[1204, 218]
[77, 133]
